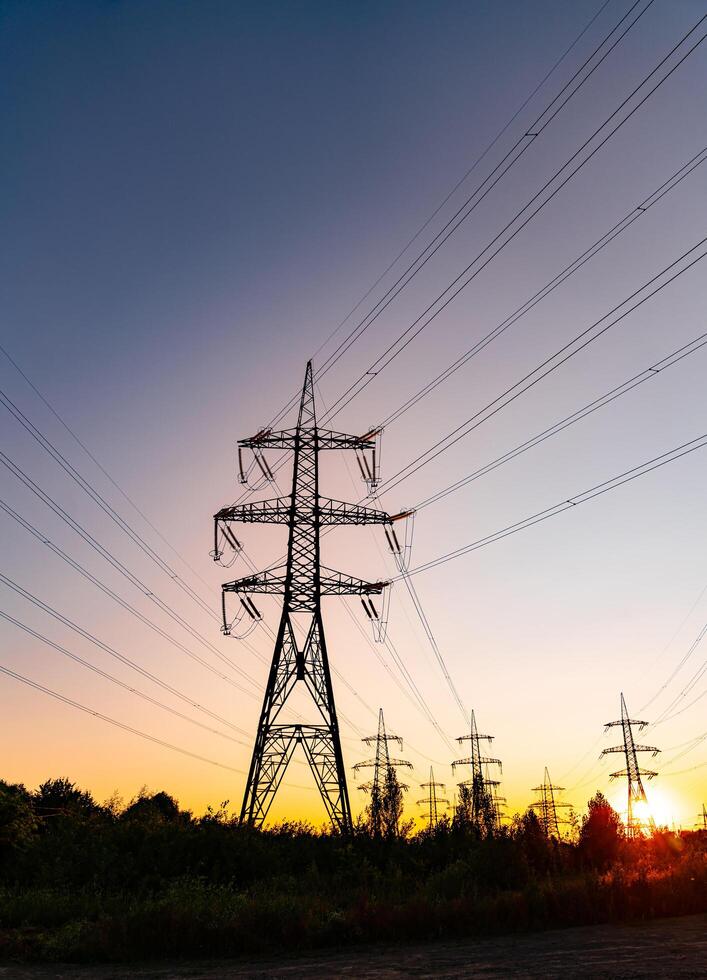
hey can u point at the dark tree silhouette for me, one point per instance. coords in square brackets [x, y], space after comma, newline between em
[601, 833]
[61, 797]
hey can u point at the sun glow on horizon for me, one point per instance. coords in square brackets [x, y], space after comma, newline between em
[662, 807]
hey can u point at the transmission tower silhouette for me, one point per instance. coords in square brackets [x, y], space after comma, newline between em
[381, 765]
[546, 807]
[433, 800]
[632, 772]
[302, 581]
[702, 819]
[484, 801]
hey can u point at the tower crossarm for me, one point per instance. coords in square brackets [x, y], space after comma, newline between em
[474, 738]
[279, 511]
[625, 721]
[373, 739]
[338, 583]
[276, 511]
[482, 760]
[636, 748]
[326, 439]
[273, 581]
[372, 763]
[648, 773]
[487, 782]
[339, 512]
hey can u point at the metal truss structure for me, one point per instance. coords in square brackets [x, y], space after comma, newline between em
[483, 789]
[432, 801]
[632, 772]
[546, 807]
[381, 765]
[302, 581]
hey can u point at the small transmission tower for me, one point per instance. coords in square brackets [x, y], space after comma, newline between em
[484, 802]
[546, 807]
[433, 800]
[382, 766]
[302, 581]
[702, 819]
[633, 772]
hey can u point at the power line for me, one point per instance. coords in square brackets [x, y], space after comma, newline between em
[112, 652]
[461, 181]
[108, 556]
[670, 360]
[111, 593]
[115, 680]
[113, 721]
[416, 327]
[433, 643]
[499, 171]
[668, 714]
[417, 698]
[370, 373]
[561, 277]
[550, 364]
[96, 462]
[693, 646]
[107, 509]
[700, 442]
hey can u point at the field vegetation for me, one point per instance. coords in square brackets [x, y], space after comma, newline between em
[84, 881]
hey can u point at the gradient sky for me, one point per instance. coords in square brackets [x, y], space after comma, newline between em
[194, 195]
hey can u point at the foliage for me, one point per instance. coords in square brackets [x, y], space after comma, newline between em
[601, 833]
[87, 881]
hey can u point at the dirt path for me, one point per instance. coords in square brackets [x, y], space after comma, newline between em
[663, 949]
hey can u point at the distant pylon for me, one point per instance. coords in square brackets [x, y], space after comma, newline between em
[632, 772]
[381, 765]
[433, 800]
[485, 804]
[546, 807]
[702, 819]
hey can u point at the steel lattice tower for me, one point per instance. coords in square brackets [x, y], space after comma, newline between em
[702, 819]
[483, 789]
[633, 772]
[381, 764]
[433, 800]
[548, 805]
[302, 581]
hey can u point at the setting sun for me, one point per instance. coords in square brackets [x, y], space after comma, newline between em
[662, 807]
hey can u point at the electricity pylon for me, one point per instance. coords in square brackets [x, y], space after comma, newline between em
[484, 801]
[381, 765]
[633, 772]
[302, 581]
[546, 807]
[702, 819]
[433, 800]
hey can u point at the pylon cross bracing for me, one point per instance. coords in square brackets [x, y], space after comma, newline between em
[633, 772]
[547, 806]
[433, 800]
[381, 765]
[482, 788]
[302, 582]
